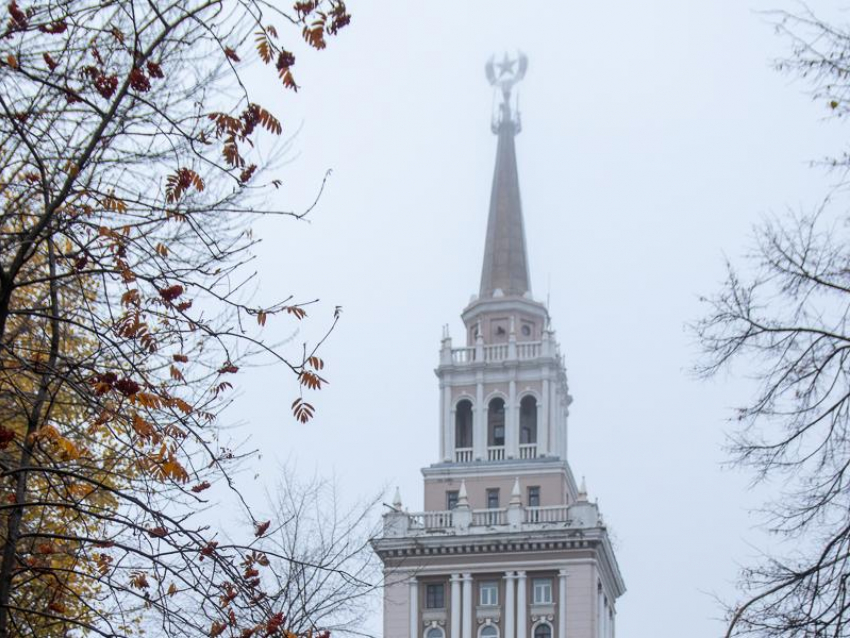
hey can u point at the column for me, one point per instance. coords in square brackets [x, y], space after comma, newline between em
[455, 620]
[562, 603]
[512, 423]
[448, 416]
[479, 424]
[521, 606]
[510, 600]
[543, 422]
[414, 608]
[554, 424]
[467, 606]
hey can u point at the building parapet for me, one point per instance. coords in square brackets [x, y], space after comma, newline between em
[463, 520]
[500, 352]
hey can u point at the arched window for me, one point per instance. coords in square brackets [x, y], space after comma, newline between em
[434, 632]
[542, 631]
[528, 420]
[496, 423]
[488, 631]
[463, 424]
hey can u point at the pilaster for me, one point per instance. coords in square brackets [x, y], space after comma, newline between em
[562, 603]
[510, 602]
[456, 606]
[466, 620]
[522, 606]
[414, 608]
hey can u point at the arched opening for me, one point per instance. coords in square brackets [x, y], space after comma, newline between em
[528, 420]
[543, 630]
[434, 632]
[489, 631]
[496, 423]
[463, 424]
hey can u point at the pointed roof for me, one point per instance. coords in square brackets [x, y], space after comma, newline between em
[505, 259]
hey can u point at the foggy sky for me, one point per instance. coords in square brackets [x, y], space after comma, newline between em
[654, 135]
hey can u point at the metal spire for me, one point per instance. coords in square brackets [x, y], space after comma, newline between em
[505, 269]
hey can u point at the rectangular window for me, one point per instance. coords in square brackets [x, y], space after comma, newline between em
[542, 591]
[489, 594]
[435, 596]
[493, 498]
[534, 496]
[451, 499]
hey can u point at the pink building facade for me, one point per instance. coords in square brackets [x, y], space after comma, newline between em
[508, 545]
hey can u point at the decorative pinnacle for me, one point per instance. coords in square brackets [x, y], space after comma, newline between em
[397, 499]
[462, 499]
[504, 75]
[516, 494]
[582, 491]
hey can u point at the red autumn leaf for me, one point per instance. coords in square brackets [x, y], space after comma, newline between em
[260, 528]
[158, 532]
[302, 410]
[154, 70]
[209, 549]
[60, 26]
[274, 623]
[139, 81]
[51, 63]
[231, 54]
[200, 487]
[127, 387]
[18, 19]
[228, 368]
[6, 437]
[171, 292]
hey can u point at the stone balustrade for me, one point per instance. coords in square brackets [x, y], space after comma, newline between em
[464, 520]
[511, 351]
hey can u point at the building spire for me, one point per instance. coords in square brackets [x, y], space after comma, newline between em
[505, 269]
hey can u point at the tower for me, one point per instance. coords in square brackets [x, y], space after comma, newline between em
[508, 545]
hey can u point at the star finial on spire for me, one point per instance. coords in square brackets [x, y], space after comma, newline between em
[506, 65]
[510, 71]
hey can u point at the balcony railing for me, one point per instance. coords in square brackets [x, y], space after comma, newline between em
[489, 517]
[463, 355]
[496, 453]
[528, 451]
[431, 520]
[463, 520]
[522, 350]
[463, 455]
[550, 514]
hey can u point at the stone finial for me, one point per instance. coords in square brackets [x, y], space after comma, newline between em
[397, 499]
[516, 494]
[582, 491]
[462, 499]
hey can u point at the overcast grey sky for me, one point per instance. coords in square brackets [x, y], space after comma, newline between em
[654, 135]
